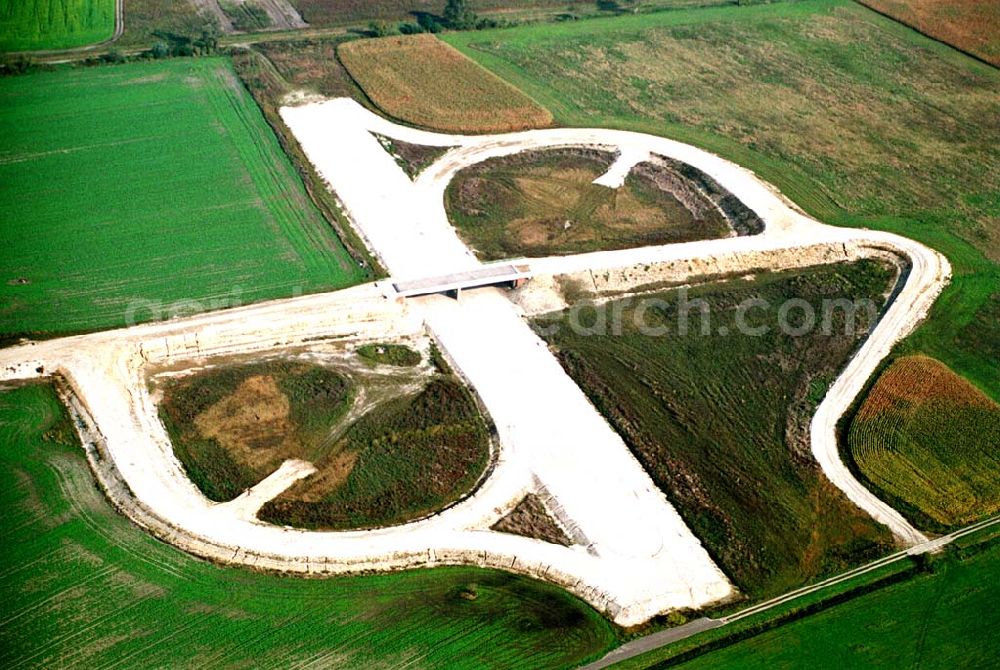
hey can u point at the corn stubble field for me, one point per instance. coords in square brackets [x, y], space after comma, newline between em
[86, 588]
[721, 421]
[29, 25]
[155, 189]
[421, 80]
[928, 438]
[415, 444]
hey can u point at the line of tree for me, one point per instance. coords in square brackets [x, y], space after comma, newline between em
[457, 15]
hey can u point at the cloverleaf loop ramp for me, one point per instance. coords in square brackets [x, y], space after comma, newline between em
[633, 555]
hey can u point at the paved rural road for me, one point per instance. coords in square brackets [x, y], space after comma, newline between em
[638, 558]
[664, 638]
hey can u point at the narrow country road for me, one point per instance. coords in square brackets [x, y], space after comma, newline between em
[664, 638]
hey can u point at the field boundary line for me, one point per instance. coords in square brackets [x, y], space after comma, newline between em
[922, 33]
[660, 639]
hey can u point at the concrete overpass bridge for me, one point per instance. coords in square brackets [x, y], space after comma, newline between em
[508, 274]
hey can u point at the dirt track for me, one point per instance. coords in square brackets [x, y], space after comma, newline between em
[639, 559]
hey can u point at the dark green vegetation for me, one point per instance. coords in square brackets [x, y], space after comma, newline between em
[246, 16]
[234, 425]
[928, 438]
[944, 618]
[432, 14]
[859, 120]
[721, 421]
[403, 459]
[155, 189]
[540, 203]
[389, 354]
[310, 64]
[530, 518]
[412, 447]
[28, 25]
[82, 587]
[177, 24]
[412, 158]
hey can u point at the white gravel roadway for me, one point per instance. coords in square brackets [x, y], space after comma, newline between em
[639, 559]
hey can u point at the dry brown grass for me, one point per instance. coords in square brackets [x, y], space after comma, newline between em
[971, 25]
[421, 80]
[252, 424]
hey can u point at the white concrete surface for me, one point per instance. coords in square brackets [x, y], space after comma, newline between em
[616, 174]
[639, 559]
[246, 505]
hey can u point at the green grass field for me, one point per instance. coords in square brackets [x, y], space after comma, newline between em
[29, 25]
[398, 355]
[136, 192]
[82, 587]
[945, 619]
[928, 438]
[720, 421]
[859, 120]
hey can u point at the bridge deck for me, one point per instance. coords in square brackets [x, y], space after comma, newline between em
[487, 275]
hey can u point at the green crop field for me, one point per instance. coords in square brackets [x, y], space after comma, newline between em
[928, 438]
[720, 421]
[944, 620]
[142, 191]
[858, 119]
[29, 25]
[82, 587]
